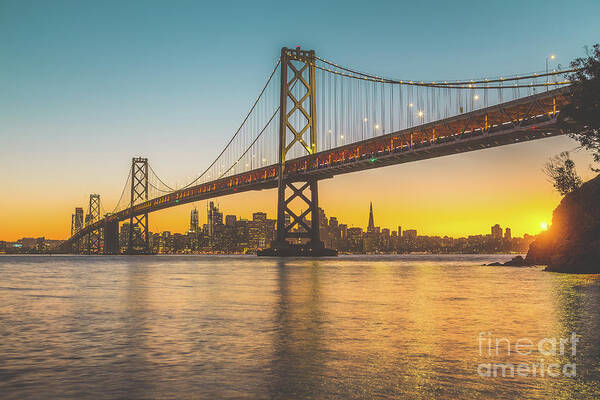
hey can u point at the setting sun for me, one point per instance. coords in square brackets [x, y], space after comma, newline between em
[544, 226]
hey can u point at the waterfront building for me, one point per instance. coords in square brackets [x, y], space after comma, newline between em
[496, 232]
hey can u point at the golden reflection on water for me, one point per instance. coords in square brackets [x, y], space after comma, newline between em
[230, 327]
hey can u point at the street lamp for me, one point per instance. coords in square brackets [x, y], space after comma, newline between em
[552, 57]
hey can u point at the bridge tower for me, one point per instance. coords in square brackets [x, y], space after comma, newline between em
[94, 238]
[77, 224]
[138, 241]
[297, 130]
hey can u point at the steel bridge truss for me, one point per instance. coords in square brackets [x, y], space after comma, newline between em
[138, 240]
[93, 240]
[297, 129]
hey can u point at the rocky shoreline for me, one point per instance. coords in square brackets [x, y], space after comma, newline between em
[572, 243]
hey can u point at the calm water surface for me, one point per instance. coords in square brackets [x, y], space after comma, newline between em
[369, 327]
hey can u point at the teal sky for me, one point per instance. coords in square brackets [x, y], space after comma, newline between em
[84, 85]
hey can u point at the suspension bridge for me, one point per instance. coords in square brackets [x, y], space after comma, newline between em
[315, 119]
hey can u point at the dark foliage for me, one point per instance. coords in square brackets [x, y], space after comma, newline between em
[561, 172]
[581, 117]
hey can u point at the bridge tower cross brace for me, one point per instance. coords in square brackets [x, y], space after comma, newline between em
[297, 99]
[94, 238]
[138, 241]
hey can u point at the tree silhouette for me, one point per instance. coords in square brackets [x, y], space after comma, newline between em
[580, 118]
[561, 172]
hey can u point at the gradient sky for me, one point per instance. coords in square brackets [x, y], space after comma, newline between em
[84, 86]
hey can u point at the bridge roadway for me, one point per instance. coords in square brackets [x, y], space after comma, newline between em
[529, 118]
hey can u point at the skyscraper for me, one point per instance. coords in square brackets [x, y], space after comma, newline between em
[496, 232]
[194, 220]
[214, 221]
[371, 225]
[372, 237]
[257, 231]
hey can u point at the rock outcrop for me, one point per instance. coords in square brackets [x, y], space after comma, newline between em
[572, 243]
[517, 261]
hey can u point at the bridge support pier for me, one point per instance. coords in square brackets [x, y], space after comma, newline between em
[111, 237]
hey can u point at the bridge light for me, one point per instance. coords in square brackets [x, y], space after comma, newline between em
[365, 119]
[552, 57]
[329, 131]
[410, 105]
[341, 136]
[420, 113]
[476, 97]
[376, 126]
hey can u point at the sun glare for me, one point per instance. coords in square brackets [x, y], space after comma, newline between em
[544, 226]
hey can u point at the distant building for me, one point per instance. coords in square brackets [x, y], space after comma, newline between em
[270, 231]
[355, 240]
[257, 231]
[323, 225]
[507, 234]
[496, 232]
[230, 220]
[214, 222]
[194, 220]
[409, 234]
[259, 216]
[343, 232]
[371, 226]
[242, 234]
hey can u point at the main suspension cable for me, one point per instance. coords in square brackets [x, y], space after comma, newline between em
[160, 180]
[253, 142]
[351, 73]
[122, 193]
[238, 130]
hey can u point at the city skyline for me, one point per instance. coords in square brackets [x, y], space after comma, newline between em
[226, 233]
[196, 220]
[216, 218]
